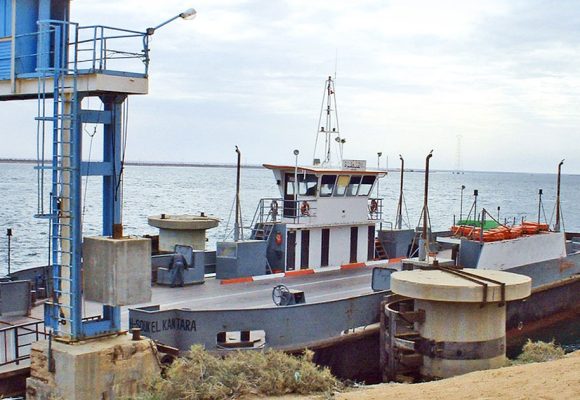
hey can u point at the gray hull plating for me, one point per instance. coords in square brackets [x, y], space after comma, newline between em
[287, 328]
[315, 324]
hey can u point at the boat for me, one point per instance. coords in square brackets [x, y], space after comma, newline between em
[322, 241]
[302, 279]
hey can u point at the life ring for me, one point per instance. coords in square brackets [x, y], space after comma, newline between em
[278, 238]
[374, 206]
[274, 208]
[305, 208]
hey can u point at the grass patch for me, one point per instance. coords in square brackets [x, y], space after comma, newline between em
[539, 352]
[203, 376]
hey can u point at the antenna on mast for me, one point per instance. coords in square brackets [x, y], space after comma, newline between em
[328, 125]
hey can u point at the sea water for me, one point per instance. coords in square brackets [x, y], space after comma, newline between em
[151, 190]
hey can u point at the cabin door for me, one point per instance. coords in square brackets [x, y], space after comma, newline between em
[290, 250]
[325, 248]
[371, 242]
[353, 243]
[304, 249]
[289, 203]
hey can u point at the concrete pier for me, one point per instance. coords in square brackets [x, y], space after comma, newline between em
[465, 321]
[186, 230]
[104, 369]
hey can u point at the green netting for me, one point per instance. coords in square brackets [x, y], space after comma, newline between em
[470, 222]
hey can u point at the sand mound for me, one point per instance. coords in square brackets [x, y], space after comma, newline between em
[559, 379]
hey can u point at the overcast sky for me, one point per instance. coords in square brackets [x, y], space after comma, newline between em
[411, 77]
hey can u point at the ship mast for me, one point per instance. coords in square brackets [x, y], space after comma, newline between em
[328, 126]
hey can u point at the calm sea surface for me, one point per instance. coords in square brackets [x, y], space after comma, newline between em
[191, 190]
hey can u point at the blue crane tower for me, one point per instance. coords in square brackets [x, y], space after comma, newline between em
[47, 58]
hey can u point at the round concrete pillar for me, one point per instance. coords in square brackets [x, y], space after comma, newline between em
[186, 230]
[461, 332]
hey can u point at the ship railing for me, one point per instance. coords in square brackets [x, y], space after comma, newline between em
[375, 208]
[276, 209]
[300, 210]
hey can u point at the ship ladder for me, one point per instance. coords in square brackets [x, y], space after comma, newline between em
[380, 252]
[262, 231]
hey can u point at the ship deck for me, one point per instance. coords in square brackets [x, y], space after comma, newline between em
[213, 295]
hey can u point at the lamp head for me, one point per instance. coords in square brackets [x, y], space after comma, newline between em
[380, 153]
[296, 152]
[188, 14]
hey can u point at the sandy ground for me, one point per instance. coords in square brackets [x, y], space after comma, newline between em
[550, 380]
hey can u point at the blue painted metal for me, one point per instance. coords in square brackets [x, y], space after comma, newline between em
[5, 18]
[95, 117]
[49, 49]
[26, 42]
[67, 170]
[5, 53]
[96, 168]
[112, 154]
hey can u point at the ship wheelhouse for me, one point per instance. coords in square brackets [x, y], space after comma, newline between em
[324, 217]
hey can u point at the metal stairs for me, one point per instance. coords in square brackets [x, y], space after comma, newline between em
[380, 252]
[262, 231]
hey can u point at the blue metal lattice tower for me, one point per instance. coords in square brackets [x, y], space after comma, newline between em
[59, 63]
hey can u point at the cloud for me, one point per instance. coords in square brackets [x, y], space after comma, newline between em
[411, 76]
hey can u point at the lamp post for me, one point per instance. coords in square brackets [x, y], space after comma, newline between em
[557, 224]
[237, 222]
[9, 235]
[296, 152]
[461, 205]
[379, 154]
[187, 15]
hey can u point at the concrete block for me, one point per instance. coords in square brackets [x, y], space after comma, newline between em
[117, 272]
[241, 259]
[105, 369]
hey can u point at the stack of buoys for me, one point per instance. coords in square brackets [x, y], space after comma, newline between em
[534, 227]
[501, 232]
[466, 231]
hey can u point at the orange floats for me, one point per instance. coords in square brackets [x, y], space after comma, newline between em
[501, 232]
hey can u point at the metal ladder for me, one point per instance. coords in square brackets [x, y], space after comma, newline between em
[380, 252]
[64, 199]
[262, 231]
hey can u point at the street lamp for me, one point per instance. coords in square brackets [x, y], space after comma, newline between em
[296, 152]
[9, 235]
[187, 15]
[379, 154]
[461, 205]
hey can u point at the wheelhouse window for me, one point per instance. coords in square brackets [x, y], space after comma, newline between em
[341, 185]
[353, 186]
[289, 185]
[307, 184]
[366, 185]
[327, 183]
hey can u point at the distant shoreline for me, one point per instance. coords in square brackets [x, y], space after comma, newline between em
[145, 163]
[256, 166]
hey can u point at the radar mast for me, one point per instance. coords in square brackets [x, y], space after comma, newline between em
[328, 127]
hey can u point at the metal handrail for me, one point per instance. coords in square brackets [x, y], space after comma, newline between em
[106, 45]
[14, 354]
[36, 328]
